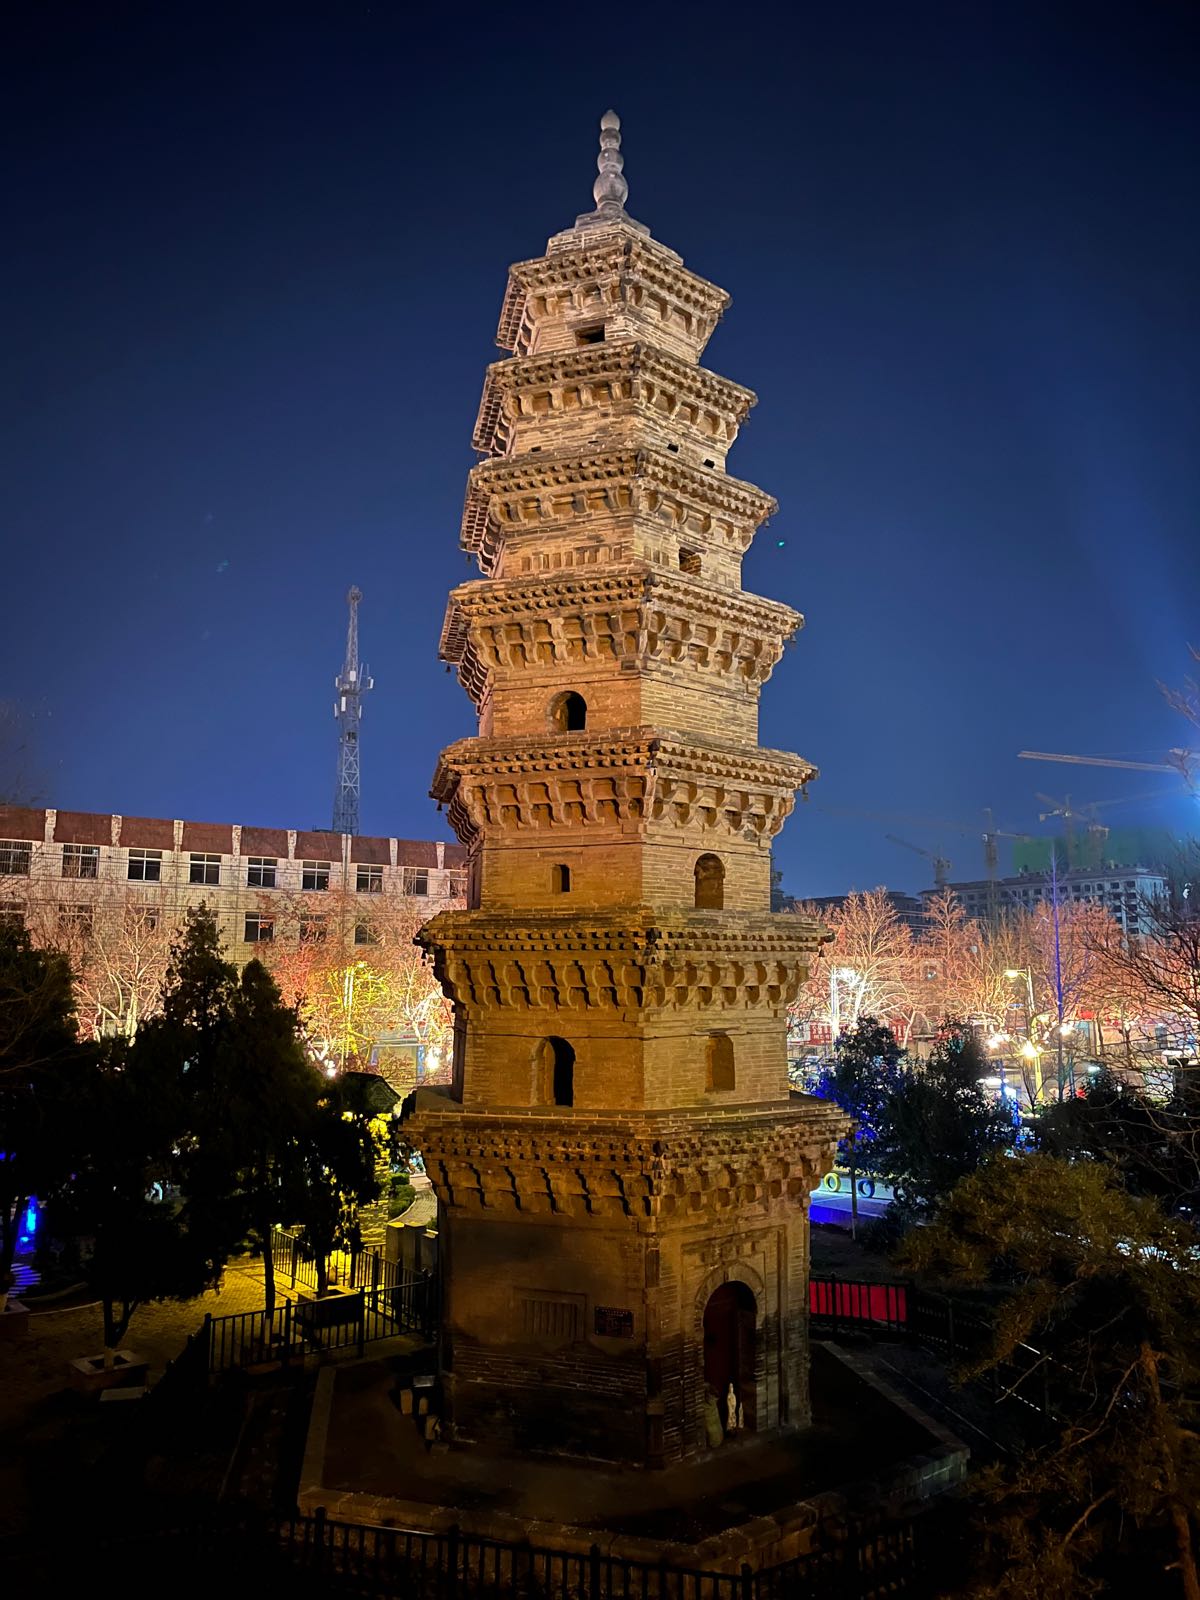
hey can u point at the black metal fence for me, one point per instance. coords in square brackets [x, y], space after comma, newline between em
[383, 1562]
[353, 1318]
[364, 1268]
[242, 1554]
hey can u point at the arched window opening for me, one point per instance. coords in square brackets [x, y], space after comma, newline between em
[710, 883]
[568, 712]
[560, 879]
[718, 1066]
[555, 1064]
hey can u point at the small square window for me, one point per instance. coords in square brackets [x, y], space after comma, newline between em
[369, 880]
[364, 933]
[456, 883]
[204, 868]
[145, 866]
[416, 880]
[12, 916]
[141, 920]
[690, 562]
[313, 929]
[14, 857]
[592, 335]
[260, 872]
[674, 449]
[259, 930]
[314, 875]
[81, 861]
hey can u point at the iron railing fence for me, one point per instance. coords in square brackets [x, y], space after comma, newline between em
[840, 1304]
[960, 1333]
[243, 1553]
[869, 1564]
[302, 1328]
[364, 1268]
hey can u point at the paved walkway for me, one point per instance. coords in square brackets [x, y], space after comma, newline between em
[35, 1367]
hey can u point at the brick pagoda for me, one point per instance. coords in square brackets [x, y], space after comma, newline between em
[622, 1171]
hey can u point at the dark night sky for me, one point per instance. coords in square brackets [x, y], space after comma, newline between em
[254, 258]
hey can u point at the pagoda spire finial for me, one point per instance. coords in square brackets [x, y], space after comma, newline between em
[610, 189]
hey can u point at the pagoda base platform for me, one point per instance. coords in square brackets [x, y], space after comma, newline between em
[758, 1500]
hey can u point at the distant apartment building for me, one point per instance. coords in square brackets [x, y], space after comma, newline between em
[1124, 892]
[66, 868]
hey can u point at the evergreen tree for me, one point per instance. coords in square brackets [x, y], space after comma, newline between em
[341, 1160]
[258, 1106]
[41, 1060]
[861, 1079]
[1099, 1300]
[938, 1123]
[128, 1119]
[1153, 1148]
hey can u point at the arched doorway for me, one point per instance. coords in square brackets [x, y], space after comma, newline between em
[730, 1342]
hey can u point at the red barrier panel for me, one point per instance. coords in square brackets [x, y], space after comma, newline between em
[885, 1303]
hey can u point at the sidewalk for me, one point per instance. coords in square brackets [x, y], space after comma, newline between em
[35, 1367]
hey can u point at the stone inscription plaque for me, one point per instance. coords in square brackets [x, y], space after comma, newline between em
[614, 1322]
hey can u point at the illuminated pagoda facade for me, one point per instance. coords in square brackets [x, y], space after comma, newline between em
[622, 1171]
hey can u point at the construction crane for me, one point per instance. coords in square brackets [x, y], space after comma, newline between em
[941, 866]
[1097, 833]
[1108, 761]
[351, 686]
[1070, 814]
[990, 834]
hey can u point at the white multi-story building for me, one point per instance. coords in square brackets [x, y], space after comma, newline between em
[1124, 892]
[62, 869]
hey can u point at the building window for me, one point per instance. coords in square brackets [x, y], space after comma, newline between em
[312, 929]
[560, 879]
[141, 920]
[260, 872]
[568, 712]
[314, 875]
[74, 920]
[81, 861]
[204, 869]
[689, 561]
[456, 883]
[369, 880]
[554, 1062]
[592, 335]
[364, 933]
[710, 883]
[718, 1066]
[14, 857]
[12, 916]
[145, 866]
[416, 880]
[259, 930]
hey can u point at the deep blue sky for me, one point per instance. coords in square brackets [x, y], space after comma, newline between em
[254, 258]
